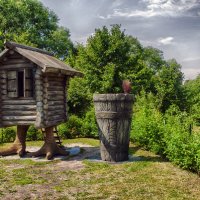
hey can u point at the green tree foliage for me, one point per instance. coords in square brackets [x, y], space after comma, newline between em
[29, 22]
[79, 96]
[192, 88]
[111, 56]
[168, 84]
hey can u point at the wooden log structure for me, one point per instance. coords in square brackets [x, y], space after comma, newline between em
[113, 113]
[32, 88]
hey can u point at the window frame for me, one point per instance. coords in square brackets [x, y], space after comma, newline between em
[25, 96]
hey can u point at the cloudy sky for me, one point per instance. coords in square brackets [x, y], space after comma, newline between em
[173, 26]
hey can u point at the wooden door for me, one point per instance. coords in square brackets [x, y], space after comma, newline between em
[12, 84]
[28, 83]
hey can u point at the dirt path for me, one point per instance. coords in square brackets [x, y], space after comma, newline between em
[78, 152]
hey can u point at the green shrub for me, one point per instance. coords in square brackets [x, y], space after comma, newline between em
[72, 128]
[8, 134]
[147, 124]
[89, 127]
[34, 134]
[167, 134]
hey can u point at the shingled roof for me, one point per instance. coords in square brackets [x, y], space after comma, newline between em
[42, 58]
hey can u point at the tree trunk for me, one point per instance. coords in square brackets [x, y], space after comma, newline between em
[19, 145]
[50, 148]
[113, 113]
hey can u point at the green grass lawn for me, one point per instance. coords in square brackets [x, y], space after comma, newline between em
[150, 177]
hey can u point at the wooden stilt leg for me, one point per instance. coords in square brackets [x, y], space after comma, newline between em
[19, 145]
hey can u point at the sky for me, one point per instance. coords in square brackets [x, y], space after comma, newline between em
[172, 26]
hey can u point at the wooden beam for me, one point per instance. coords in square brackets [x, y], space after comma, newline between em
[19, 107]
[17, 66]
[13, 45]
[18, 118]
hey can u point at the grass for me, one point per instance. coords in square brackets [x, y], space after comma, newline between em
[150, 177]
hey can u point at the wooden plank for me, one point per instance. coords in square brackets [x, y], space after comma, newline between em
[12, 45]
[56, 88]
[55, 98]
[55, 78]
[18, 113]
[16, 66]
[54, 75]
[18, 118]
[55, 103]
[15, 61]
[55, 93]
[19, 102]
[53, 83]
[56, 117]
[39, 97]
[14, 56]
[3, 75]
[15, 123]
[19, 107]
[45, 100]
[54, 112]
[55, 107]
[28, 83]
[54, 122]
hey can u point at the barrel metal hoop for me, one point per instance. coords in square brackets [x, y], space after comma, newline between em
[113, 115]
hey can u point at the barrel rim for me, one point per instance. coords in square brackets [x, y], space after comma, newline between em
[113, 97]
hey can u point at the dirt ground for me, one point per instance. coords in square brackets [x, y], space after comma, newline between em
[78, 152]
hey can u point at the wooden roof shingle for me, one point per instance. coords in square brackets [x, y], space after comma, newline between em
[42, 58]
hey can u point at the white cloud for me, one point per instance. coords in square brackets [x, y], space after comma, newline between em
[156, 8]
[191, 59]
[166, 41]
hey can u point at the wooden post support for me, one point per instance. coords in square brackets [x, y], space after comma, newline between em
[39, 98]
[50, 147]
[19, 145]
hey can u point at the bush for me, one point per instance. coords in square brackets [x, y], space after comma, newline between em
[167, 134]
[34, 134]
[147, 124]
[8, 134]
[182, 146]
[72, 128]
[89, 127]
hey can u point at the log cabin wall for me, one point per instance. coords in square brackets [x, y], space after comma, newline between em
[54, 98]
[16, 109]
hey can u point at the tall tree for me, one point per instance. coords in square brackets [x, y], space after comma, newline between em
[111, 56]
[192, 88]
[168, 84]
[29, 22]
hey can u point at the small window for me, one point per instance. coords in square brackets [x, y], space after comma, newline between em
[20, 83]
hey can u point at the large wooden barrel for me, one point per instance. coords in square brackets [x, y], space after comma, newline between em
[113, 113]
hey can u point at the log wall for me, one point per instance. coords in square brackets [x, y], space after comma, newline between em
[14, 111]
[54, 99]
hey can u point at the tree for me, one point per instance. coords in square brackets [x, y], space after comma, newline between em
[192, 88]
[168, 84]
[111, 56]
[29, 22]
[108, 58]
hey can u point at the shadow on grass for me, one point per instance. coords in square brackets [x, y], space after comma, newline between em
[134, 157]
[93, 154]
[136, 154]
